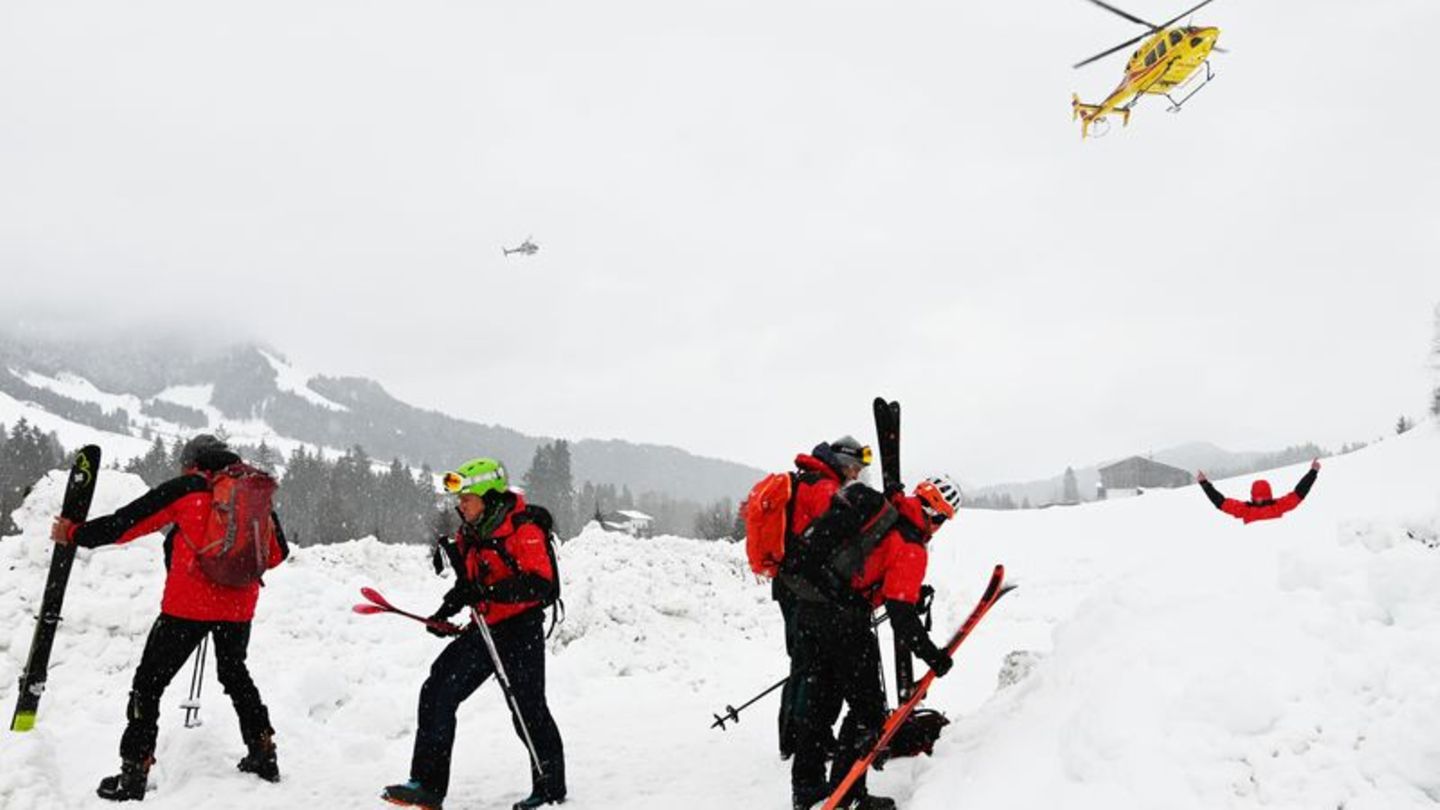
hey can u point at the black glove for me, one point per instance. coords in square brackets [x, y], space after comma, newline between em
[442, 631]
[940, 663]
[463, 595]
[894, 488]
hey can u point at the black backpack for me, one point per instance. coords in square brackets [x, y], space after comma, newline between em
[833, 548]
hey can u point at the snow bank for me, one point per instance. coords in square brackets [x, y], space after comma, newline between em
[1194, 662]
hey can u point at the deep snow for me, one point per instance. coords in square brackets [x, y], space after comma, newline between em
[1183, 661]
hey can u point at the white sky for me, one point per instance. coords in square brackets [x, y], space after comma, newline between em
[754, 216]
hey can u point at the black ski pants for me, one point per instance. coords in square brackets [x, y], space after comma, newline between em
[170, 644]
[836, 656]
[825, 701]
[461, 668]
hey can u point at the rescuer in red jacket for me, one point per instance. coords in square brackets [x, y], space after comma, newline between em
[820, 474]
[836, 651]
[1262, 504]
[193, 606]
[505, 578]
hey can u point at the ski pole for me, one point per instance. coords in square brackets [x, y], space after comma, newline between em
[197, 680]
[732, 713]
[505, 687]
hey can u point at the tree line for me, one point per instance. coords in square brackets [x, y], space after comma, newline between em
[26, 454]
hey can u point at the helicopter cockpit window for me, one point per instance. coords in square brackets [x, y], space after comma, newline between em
[1160, 49]
[1149, 59]
[1195, 42]
[1175, 37]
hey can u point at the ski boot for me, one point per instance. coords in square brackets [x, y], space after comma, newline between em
[539, 797]
[261, 759]
[129, 784]
[412, 794]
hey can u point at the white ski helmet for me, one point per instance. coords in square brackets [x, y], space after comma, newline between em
[939, 495]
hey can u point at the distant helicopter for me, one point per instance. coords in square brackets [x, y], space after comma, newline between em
[1167, 59]
[526, 248]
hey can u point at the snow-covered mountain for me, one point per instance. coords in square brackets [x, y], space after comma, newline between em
[117, 395]
[1183, 660]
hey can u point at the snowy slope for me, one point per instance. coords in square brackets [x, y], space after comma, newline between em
[1188, 662]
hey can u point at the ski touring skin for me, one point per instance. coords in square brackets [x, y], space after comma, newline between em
[993, 592]
[379, 604]
[79, 491]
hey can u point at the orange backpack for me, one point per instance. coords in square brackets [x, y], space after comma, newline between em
[235, 551]
[767, 522]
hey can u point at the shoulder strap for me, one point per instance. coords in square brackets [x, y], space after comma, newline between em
[910, 533]
[796, 479]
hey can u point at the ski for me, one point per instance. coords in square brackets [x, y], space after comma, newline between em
[993, 592]
[79, 490]
[887, 429]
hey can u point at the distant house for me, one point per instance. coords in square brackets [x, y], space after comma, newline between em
[626, 520]
[1136, 473]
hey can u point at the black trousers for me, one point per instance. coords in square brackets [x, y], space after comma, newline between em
[169, 645]
[461, 668]
[836, 657]
[824, 701]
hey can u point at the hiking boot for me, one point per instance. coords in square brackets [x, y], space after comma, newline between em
[412, 794]
[129, 784]
[539, 797]
[261, 759]
[805, 799]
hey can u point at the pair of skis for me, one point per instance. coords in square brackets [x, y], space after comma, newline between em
[887, 430]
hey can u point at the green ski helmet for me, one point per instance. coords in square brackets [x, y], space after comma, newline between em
[477, 477]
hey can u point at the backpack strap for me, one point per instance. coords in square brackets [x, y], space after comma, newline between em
[796, 479]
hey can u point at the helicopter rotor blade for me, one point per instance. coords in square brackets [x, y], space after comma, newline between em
[1130, 42]
[1177, 17]
[1122, 46]
[1127, 15]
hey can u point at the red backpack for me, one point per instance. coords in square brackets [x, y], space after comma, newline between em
[767, 522]
[239, 533]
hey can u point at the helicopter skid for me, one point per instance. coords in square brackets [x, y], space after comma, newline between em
[1175, 106]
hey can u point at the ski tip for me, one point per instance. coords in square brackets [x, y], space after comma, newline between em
[23, 721]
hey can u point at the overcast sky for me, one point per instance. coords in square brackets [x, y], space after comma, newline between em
[754, 215]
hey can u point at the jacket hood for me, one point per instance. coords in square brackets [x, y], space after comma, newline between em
[1260, 491]
[809, 463]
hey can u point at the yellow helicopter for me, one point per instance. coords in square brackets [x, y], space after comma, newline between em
[1168, 58]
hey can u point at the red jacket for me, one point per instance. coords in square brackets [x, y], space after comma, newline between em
[1262, 504]
[895, 569]
[524, 544]
[817, 484]
[185, 503]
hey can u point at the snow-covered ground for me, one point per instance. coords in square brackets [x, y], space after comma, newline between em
[1186, 661]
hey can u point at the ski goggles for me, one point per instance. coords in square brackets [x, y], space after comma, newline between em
[453, 482]
[862, 454]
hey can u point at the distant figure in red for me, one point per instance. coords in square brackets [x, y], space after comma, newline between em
[1262, 504]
